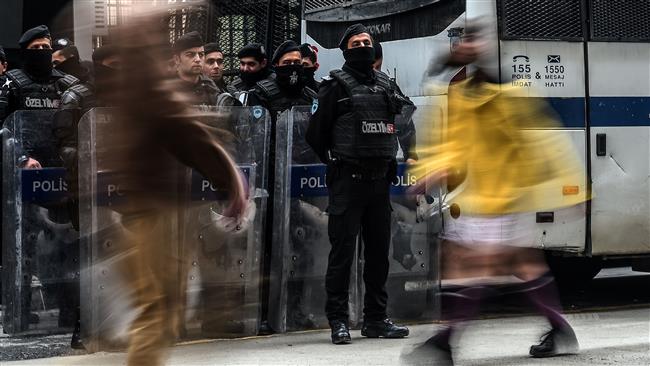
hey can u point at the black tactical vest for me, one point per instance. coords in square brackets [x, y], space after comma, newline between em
[366, 129]
[236, 86]
[278, 101]
[32, 95]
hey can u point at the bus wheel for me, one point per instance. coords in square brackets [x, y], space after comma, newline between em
[574, 271]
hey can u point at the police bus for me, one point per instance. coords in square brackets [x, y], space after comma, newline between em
[588, 59]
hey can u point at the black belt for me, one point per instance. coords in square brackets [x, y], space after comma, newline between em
[364, 173]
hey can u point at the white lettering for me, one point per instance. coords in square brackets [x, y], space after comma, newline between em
[113, 188]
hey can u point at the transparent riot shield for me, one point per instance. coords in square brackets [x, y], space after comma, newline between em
[413, 278]
[300, 239]
[301, 243]
[40, 245]
[218, 273]
[224, 281]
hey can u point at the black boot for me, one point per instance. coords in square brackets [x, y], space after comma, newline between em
[340, 332]
[558, 341]
[383, 328]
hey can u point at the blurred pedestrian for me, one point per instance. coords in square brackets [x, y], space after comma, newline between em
[505, 161]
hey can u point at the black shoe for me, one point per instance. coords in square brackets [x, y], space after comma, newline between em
[558, 341]
[435, 351]
[76, 342]
[340, 332]
[383, 328]
[265, 329]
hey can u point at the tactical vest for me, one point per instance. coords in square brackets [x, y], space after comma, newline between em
[366, 129]
[83, 97]
[279, 101]
[32, 95]
[237, 85]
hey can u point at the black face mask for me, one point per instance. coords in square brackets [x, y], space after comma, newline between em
[360, 58]
[73, 67]
[290, 77]
[38, 63]
[308, 74]
[251, 78]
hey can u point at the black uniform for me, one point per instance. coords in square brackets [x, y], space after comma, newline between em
[270, 95]
[238, 85]
[206, 92]
[406, 134]
[353, 132]
[22, 92]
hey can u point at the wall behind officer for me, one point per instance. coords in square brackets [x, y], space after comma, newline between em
[253, 67]
[310, 65]
[405, 134]
[353, 132]
[37, 86]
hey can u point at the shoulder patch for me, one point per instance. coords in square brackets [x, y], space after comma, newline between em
[314, 106]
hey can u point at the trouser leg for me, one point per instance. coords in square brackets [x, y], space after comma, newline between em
[343, 228]
[376, 233]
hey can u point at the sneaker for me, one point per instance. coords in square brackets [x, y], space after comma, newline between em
[557, 341]
[384, 329]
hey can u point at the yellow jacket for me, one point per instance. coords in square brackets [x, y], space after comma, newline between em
[510, 151]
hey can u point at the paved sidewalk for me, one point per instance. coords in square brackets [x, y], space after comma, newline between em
[606, 338]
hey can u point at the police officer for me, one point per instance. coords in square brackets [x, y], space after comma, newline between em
[37, 85]
[188, 56]
[253, 67]
[213, 69]
[310, 65]
[286, 88]
[353, 132]
[65, 58]
[3, 62]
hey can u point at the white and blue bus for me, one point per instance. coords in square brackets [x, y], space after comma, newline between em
[588, 59]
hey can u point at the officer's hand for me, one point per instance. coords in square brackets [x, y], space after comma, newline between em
[32, 164]
[411, 161]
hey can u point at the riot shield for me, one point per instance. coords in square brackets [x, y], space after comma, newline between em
[224, 281]
[301, 243]
[40, 245]
[218, 273]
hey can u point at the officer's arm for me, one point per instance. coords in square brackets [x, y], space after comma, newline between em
[407, 141]
[319, 131]
[64, 127]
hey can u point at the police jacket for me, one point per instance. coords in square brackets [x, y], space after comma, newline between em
[270, 95]
[354, 117]
[19, 91]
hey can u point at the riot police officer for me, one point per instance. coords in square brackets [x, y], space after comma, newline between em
[310, 65]
[3, 62]
[353, 132]
[189, 56]
[37, 85]
[286, 88]
[253, 67]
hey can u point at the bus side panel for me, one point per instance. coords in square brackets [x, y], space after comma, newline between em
[554, 72]
[619, 77]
